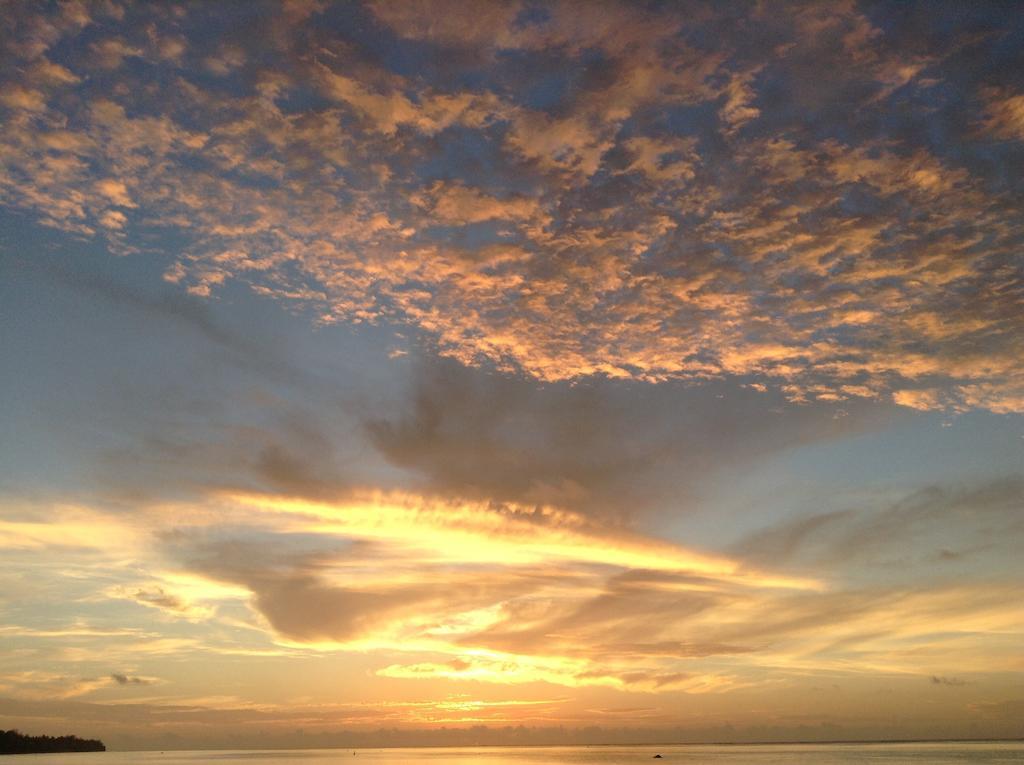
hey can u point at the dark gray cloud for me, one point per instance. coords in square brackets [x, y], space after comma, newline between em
[298, 582]
[122, 679]
[611, 448]
[952, 681]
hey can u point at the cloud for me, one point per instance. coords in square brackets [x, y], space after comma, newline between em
[906, 531]
[52, 73]
[115, 191]
[18, 97]
[443, 25]
[1004, 397]
[954, 681]
[68, 527]
[1005, 117]
[122, 679]
[663, 159]
[113, 219]
[158, 597]
[596, 224]
[598, 448]
[462, 531]
[515, 596]
[515, 671]
[111, 52]
[456, 204]
[922, 399]
[737, 109]
[169, 47]
[502, 592]
[496, 593]
[225, 61]
[49, 685]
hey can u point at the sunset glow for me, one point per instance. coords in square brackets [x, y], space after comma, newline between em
[433, 372]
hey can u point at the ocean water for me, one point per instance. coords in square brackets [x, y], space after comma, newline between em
[760, 754]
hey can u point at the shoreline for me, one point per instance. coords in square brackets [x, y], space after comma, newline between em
[880, 742]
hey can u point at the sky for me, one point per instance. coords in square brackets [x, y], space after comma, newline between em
[428, 372]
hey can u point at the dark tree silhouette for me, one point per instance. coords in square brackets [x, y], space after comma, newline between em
[13, 742]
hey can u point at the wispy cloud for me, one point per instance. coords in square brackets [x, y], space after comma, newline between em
[515, 595]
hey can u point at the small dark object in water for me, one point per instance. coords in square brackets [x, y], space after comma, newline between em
[656, 757]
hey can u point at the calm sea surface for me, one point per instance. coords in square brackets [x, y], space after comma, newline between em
[801, 754]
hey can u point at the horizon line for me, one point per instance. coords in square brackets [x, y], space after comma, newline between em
[985, 740]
